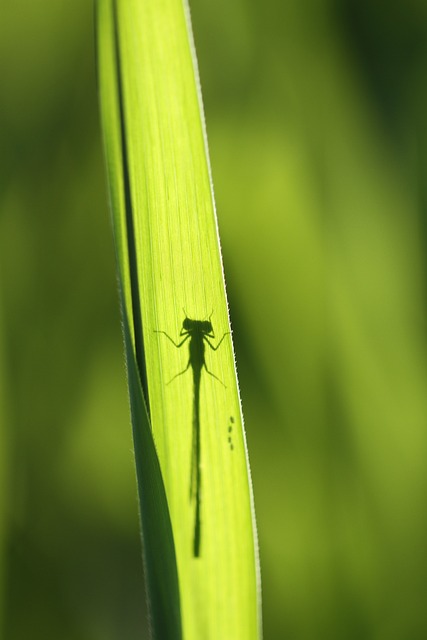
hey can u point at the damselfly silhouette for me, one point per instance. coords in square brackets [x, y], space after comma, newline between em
[198, 332]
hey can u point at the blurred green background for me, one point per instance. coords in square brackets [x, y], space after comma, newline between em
[316, 116]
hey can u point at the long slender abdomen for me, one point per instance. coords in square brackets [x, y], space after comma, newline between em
[195, 483]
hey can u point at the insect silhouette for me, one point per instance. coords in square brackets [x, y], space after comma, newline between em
[199, 333]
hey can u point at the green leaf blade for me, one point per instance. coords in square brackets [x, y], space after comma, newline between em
[178, 266]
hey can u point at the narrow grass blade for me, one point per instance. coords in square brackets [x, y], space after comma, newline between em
[158, 546]
[172, 286]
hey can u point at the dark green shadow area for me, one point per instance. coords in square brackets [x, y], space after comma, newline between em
[158, 545]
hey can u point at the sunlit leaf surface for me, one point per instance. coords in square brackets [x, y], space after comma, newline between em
[174, 299]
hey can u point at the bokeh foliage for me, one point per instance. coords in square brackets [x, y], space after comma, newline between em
[316, 121]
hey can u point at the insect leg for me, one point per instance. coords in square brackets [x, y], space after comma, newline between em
[177, 344]
[213, 375]
[180, 373]
[205, 338]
